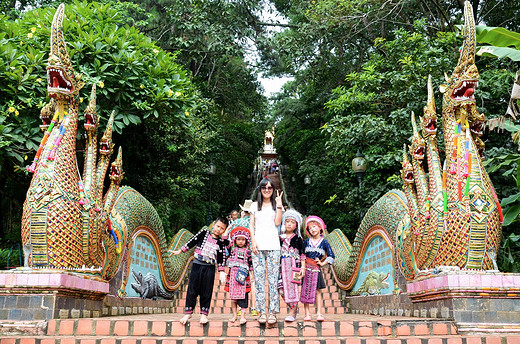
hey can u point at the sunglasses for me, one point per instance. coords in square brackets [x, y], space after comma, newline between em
[266, 188]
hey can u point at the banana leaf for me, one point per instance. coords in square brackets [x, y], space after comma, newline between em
[497, 36]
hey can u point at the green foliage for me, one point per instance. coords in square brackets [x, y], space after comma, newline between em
[500, 42]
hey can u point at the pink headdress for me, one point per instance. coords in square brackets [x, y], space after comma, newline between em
[314, 218]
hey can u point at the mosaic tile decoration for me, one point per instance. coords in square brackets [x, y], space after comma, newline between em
[143, 259]
[377, 258]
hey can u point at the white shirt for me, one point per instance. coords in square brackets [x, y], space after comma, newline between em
[266, 233]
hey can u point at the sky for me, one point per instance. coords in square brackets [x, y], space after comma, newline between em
[272, 85]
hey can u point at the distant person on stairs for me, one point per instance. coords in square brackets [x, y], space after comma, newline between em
[318, 253]
[266, 215]
[210, 250]
[292, 261]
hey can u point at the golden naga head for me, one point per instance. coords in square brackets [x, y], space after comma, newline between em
[116, 169]
[105, 144]
[407, 171]
[91, 118]
[417, 148]
[461, 86]
[62, 81]
[429, 121]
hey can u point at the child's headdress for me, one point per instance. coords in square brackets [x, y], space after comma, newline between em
[240, 232]
[296, 216]
[314, 218]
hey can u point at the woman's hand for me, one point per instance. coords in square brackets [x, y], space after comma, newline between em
[302, 272]
[175, 252]
[278, 198]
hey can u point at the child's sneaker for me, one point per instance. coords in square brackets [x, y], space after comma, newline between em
[254, 312]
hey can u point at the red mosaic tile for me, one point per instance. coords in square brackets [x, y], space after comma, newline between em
[177, 329]
[121, 328]
[513, 339]
[66, 327]
[140, 328]
[403, 330]
[290, 331]
[196, 329]
[346, 329]
[309, 330]
[51, 327]
[440, 329]
[27, 340]
[234, 330]
[87, 341]
[365, 329]
[47, 341]
[473, 340]
[328, 329]
[421, 330]
[493, 339]
[68, 340]
[384, 330]
[159, 328]
[271, 332]
[128, 341]
[148, 341]
[373, 341]
[102, 327]
[108, 341]
[84, 326]
[393, 341]
[215, 329]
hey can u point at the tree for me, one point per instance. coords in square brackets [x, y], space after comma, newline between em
[137, 79]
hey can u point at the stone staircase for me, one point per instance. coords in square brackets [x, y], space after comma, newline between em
[339, 327]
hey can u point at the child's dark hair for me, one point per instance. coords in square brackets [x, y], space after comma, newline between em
[222, 219]
[259, 198]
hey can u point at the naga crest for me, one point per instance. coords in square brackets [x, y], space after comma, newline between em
[62, 81]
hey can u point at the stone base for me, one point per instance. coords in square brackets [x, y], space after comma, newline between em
[479, 301]
[50, 294]
[113, 305]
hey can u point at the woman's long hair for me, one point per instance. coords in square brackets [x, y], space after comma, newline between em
[259, 198]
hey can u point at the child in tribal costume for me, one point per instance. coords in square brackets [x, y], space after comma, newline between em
[238, 283]
[292, 261]
[209, 250]
[318, 253]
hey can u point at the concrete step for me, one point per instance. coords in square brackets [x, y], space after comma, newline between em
[344, 325]
[454, 339]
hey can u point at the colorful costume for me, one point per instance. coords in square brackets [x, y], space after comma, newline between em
[291, 255]
[238, 282]
[320, 249]
[208, 252]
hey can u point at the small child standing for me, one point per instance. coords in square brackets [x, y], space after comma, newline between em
[210, 250]
[318, 253]
[292, 261]
[238, 283]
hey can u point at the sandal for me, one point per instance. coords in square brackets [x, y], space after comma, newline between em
[272, 319]
[243, 321]
[290, 318]
[254, 312]
[320, 318]
[307, 318]
[262, 319]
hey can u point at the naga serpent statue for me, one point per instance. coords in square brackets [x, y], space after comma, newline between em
[67, 219]
[448, 217]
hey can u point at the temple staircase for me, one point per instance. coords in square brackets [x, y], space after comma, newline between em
[339, 327]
